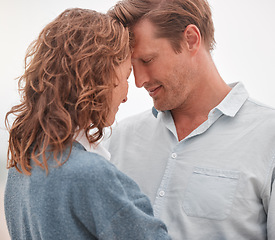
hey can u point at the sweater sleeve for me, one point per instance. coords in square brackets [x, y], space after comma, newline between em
[112, 206]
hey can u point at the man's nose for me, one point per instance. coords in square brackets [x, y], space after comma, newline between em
[141, 76]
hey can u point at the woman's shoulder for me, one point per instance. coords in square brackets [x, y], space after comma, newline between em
[86, 164]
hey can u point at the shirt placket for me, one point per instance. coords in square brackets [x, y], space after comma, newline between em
[171, 163]
[162, 191]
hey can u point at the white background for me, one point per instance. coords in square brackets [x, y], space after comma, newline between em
[245, 51]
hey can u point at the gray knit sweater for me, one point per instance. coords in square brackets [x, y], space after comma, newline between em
[86, 198]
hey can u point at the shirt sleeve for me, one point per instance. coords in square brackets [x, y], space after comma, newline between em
[271, 211]
[112, 206]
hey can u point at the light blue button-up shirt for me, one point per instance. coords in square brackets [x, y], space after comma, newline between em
[218, 182]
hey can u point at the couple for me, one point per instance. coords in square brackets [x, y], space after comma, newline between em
[204, 155]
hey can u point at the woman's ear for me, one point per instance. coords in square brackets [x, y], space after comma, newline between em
[192, 38]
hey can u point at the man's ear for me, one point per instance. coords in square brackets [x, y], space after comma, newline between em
[192, 38]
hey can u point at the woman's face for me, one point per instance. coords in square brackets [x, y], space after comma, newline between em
[119, 94]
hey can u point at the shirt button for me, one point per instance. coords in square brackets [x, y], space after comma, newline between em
[161, 193]
[174, 155]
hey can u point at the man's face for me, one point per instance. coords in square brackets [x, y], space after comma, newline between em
[166, 75]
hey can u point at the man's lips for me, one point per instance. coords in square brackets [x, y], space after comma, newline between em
[153, 91]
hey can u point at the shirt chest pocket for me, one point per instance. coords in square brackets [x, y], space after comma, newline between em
[210, 193]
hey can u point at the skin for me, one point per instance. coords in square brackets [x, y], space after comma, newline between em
[120, 91]
[186, 83]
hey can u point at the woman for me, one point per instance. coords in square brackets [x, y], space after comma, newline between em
[75, 79]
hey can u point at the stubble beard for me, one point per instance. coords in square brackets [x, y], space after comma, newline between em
[164, 103]
[171, 98]
[175, 93]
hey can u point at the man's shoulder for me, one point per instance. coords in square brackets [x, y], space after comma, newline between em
[135, 126]
[261, 105]
[137, 119]
[257, 113]
[259, 109]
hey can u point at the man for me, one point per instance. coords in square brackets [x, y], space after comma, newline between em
[205, 153]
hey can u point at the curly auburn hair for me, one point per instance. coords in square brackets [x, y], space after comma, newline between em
[66, 86]
[170, 17]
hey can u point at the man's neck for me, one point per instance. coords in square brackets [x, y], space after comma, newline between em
[193, 113]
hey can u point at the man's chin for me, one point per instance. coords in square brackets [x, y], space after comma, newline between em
[160, 107]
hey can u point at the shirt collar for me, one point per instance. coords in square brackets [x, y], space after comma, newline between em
[155, 112]
[231, 104]
[95, 148]
[234, 100]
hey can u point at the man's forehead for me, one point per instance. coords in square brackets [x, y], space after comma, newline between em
[144, 29]
[143, 51]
